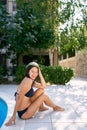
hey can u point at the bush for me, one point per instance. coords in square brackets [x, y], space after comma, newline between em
[45, 72]
[1, 72]
[20, 73]
[57, 74]
[52, 74]
[67, 74]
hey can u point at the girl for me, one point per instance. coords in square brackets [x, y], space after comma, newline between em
[28, 101]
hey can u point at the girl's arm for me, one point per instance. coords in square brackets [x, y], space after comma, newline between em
[42, 83]
[17, 104]
[26, 83]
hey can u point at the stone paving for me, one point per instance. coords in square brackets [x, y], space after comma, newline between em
[72, 96]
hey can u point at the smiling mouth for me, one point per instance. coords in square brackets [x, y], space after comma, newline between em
[33, 77]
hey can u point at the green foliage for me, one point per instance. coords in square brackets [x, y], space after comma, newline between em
[66, 11]
[82, 37]
[3, 29]
[57, 74]
[31, 26]
[1, 72]
[20, 73]
[67, 75]
[73, 40]
[21, 31]
[45, 70]
[73, 36]
[51, 74]
[36, 25]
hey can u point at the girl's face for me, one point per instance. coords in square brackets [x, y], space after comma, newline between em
[33, 73]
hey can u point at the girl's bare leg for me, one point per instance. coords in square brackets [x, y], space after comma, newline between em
[37, 93]
[37, 103]
[43, 108]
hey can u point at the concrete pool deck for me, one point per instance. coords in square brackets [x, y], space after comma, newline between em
[72, 96]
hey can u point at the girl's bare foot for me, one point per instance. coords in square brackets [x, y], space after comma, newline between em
[57, 108]
[43, 108]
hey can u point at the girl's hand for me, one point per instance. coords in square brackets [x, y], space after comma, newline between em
[11, 121]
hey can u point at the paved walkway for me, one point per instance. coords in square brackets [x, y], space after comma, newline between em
[73, 97]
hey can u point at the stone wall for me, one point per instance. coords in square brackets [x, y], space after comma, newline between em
[81, 64]
[77, 63]
[70, 62]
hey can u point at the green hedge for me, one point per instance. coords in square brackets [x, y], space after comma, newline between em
[20, 73]
[52, 74]
[57, 74]
[1, 72]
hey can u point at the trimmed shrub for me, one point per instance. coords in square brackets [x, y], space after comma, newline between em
[20, 73]
[51, 74]
[67, 75]
[57, 74]
[1, 72]
[45, 72]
